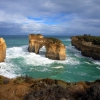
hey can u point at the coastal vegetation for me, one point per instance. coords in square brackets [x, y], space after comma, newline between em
[88, 45]
[27, 88]
[54, 40]
[88, 38]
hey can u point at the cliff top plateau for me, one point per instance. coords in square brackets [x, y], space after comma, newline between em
[88, 45]
[27, 88]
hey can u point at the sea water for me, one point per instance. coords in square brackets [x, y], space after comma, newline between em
[21, 62]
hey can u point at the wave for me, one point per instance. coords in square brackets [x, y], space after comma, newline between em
[76, 53]
[66, 39]
[18, 58]
[58, 67]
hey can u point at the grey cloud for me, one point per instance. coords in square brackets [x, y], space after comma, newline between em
[80, 16]
[10, 28]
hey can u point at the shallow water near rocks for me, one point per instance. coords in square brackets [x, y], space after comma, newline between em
[21, 62]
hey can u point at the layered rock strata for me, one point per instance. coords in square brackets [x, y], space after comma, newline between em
[54, 47]
[2, 49]
[87, 48]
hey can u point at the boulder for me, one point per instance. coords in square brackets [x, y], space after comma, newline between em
[54, 47]
[2, 50]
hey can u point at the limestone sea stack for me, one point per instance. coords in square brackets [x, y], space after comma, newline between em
[2, 50]
[88, 45]
[54, 47]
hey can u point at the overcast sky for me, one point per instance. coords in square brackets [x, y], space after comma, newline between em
[50, 17]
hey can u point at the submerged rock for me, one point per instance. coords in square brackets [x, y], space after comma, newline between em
[54, 47]
[2, 50]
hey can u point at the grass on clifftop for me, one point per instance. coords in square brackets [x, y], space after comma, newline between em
[54, 40]
[94, 39]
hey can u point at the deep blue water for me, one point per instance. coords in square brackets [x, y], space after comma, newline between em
[21, 62]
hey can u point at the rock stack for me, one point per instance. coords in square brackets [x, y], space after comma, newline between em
[2, 49]
[54, 47]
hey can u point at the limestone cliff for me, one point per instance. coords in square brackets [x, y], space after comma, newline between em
[54, 47]
[87, 48]
[2, 49]
[35, 43]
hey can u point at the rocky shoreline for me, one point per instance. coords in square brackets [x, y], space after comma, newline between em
[86, 45]
[27, 88]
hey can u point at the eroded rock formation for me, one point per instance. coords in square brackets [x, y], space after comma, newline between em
[87, 48]
[54, 47]
[2, 49]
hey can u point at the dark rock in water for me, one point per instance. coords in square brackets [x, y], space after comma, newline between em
[93, 93]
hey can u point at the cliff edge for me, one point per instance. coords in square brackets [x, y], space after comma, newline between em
[27, 88]
[54, 47]
[2, 49]
[88, 45]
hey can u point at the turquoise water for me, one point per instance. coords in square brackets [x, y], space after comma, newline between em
[21, 62]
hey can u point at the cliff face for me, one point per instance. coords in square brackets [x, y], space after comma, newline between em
[87, 48]
[2, 49]
[54, 48]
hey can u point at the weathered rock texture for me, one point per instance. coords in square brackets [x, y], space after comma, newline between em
[27, 88]
[54, 47]
[87, 48]
[2, 49]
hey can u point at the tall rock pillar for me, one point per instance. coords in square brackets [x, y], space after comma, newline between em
[2, 50]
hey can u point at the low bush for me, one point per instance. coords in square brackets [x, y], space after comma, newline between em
[94, 39]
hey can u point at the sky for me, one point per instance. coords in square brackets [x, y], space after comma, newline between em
[50, 17]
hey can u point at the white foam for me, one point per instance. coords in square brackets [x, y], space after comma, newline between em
[57, 67]
[66, 39]
[88, 63]
[11, 68]
[98, 68]
[7, 69]
[96, 62]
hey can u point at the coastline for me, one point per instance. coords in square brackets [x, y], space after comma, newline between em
[27, 88]
[86, 47]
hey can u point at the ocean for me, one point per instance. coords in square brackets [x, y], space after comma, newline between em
[21, 62]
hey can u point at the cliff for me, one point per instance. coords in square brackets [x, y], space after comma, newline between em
[2, 49]
[54, 47]
[87, 47]
[27, 88]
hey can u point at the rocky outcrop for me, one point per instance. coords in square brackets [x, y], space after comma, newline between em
[2, 49]
[35, 43]
[27, 88]
[87, 48]
[54, 47]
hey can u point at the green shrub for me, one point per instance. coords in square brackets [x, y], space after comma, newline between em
[54, 40]
[19, 80]
[94, 39]
[1, 80]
